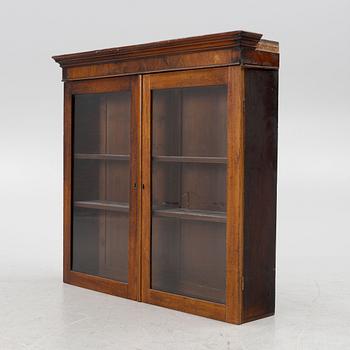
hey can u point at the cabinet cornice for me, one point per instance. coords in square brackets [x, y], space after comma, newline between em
[229, 40]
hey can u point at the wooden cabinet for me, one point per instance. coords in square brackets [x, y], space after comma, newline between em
[170, 173]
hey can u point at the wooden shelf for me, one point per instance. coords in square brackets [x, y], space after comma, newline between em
[100, 204]
[101, 156]
[185, 159]
[190, 214]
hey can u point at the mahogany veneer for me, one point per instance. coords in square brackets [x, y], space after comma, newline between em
[170, 164]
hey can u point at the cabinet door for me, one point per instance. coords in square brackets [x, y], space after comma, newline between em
[186, 173]
[101, 184]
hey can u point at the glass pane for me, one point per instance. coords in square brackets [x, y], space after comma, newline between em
[101, 184]
[189, 122]
[189, 191]
[188, 258]
[100, 241]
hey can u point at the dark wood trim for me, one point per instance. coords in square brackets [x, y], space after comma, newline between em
[157, 64]
[91, 86]
[258, 317]
[260, 168]
[186, 304]
[259, 58]
[146, 187]
[214, 50]
[197, 60]
[167, 47]
[139, 186]
[202, 77]
[67, 181]
[98, 284]
[134, 241]
[235, 180]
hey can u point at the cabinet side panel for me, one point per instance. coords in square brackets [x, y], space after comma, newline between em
[261, 112]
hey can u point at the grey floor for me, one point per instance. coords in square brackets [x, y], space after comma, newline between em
[40, 312]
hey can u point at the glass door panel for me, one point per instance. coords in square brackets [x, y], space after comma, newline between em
[189, 153]
[101, 172]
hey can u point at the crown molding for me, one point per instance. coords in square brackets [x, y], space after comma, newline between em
[228, 40]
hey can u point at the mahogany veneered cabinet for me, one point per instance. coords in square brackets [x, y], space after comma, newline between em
[170, 153]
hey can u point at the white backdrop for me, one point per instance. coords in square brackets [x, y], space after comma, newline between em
[314, 121]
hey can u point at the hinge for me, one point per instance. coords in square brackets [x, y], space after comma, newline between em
[242, 283]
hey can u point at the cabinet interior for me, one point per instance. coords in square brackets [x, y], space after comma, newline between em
[101, 184]
[189, 191]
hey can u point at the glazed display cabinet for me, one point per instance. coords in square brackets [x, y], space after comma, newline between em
[170, 153]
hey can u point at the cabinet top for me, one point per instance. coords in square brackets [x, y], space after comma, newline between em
[245, 48]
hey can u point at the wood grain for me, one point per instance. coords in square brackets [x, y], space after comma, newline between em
[187, 304]
[98, 284]
[146, 188]
[214, 50]
[235, 181]
[135, 191]
[67, 182]
[166, 47]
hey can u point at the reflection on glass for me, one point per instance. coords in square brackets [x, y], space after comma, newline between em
[189, 191]
[101, 184]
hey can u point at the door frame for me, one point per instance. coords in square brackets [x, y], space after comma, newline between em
[131, 289]
[233, 78]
